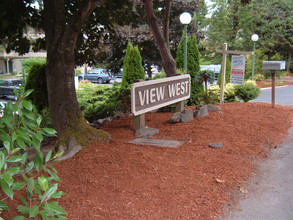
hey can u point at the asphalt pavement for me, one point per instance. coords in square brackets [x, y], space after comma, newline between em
[270, 191]
[284, 95]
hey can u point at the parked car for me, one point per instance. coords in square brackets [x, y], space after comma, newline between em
[7, 87]
[2, 106]
[119, 74]
[97, 75]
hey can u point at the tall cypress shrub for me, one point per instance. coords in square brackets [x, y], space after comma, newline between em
[36, 80]
[132, 66]
[192, 66]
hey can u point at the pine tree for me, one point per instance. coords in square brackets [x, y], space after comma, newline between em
[132, 66]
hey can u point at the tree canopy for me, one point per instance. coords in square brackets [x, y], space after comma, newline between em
[235, 21]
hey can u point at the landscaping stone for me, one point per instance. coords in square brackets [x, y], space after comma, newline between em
[213, 108]
[146, 132]
[157, 142]
[215, 145]
[201, 112]
[187, 115]
[183, 116]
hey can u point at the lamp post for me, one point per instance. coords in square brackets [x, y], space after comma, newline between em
[185, 19]
[254, 38]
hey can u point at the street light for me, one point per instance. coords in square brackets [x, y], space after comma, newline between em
[185, 19]
[254, 38]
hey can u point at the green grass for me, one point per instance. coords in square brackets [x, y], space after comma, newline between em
[9, 76]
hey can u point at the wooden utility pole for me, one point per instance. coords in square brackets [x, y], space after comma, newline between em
[273, 88]
[225, 51]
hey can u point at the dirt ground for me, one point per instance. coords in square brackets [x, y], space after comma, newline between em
[119, 180]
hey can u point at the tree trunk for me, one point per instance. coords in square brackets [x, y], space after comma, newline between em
[289, 61]
[61, 37]
[168, 61]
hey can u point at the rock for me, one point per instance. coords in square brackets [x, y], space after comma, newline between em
[146, 132]
[187, 115]
[176, 118]
[213, 108]
[71, 149]
[184, 116]
[215, 145]
[201, 112]
[101, 121]
[117, 115]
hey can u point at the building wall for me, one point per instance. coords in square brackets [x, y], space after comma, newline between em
[16, 60]
[2, 67]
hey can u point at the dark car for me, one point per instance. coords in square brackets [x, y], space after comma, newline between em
[97, 75]
[7, 87]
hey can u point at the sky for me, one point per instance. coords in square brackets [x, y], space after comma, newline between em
[208, 3]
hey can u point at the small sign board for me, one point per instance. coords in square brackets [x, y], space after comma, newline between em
[237, 69]
[150, 95]
[274, 65]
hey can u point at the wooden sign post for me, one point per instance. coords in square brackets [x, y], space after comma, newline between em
[225, 51]
[273, 66]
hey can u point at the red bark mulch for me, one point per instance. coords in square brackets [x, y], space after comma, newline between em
[119, 180]
[282, 81]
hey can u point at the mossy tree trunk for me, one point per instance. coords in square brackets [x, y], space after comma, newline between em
[61, 37]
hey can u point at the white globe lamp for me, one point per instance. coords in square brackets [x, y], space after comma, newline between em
[185, 18]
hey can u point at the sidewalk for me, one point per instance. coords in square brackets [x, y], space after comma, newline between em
[270, 193]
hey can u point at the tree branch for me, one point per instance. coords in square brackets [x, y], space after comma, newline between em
[167, 20]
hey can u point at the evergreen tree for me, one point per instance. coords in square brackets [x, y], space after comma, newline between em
[132, 66]
[192, 66]
[36, 80]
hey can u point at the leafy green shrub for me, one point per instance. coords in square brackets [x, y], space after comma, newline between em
[28, 63]
[132, 66]
[36, 80]
[208, 97]
[267, 83]
[102, 101]
[195, 94]
[36, 179]
[229, 93]
[247, 91]
[159, 75]
[280, 83]
[259, 77]
[84, 83]
[250, 82]
[214, 91]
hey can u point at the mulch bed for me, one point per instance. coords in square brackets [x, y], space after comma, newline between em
[281, 81]
[119, 180]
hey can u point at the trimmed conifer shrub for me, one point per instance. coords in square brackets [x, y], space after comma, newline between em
[192, 66]
[36, 80]
[132, 66]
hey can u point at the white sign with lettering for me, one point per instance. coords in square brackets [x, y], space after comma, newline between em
[237, 69]
[154, 94]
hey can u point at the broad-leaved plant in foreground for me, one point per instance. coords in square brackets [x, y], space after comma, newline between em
[37, 179]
